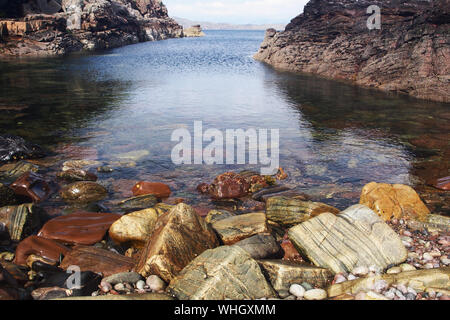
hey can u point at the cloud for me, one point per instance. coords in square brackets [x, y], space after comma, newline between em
[237, 11]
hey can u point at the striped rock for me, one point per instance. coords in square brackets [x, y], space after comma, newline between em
[356, 237]
[291, 211]
[227, 272]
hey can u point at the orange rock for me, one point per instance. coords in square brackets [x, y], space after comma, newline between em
[158, 189]
[393, 201]
[45, 248]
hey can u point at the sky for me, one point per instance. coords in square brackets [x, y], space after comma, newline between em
[237, 11]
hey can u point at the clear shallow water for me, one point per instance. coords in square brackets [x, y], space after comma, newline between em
[334, 137]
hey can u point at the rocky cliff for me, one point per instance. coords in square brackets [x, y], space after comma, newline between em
[56, 27]
[410, 53]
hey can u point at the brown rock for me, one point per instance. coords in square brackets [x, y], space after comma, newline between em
[45, 248]
[180, 235]
[85, 228]
[50, 293]
[237, 228]
[97, 260]
[393, 201]
[229, 185]
[159, 190]
[33, 186]
[77, 175]
[290, 253]
[83, 192]
[136, 227]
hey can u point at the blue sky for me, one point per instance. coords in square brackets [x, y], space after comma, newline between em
[236, 11]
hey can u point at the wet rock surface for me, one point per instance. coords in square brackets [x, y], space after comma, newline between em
[42, 247]
[84, 228]
[159, 190]
[83, 192]
[261, 246]
[332, 39]
[20, 221]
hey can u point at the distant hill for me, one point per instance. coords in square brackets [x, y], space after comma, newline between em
[186, 23]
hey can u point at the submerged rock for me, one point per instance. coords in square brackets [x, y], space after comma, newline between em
[73, 175]
[159, 190]
[443, 183]
[229, 185]
[33, 186]
[180, 235]
[356, 237]
[227, 272]
[85, 228]
[292, 211]
[83, 192]
[16, 148]
[42, 247]
[21, 221]
[97, 260]
[237, 228]
[393, 201]
[12, 171]
[136, 227]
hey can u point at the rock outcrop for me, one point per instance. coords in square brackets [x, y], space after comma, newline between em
[354, 238]
[194, 31]
[410, 53]
[59, 27]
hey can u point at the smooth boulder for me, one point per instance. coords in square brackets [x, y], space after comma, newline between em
[45, 248]
[136, 227]
[356, 237]
[83, 192]
[393, 201]
[261, 246]
[85, 228]
[158, 189]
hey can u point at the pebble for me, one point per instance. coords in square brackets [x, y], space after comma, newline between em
[407, 267]
[105, 286]
[445, 260]
[140, 285]
[360, 296]
[315, 294]
[297, 290]
[339, 278]
[307, 286]
[428, 266]
[394, 270]
[427, 256]
[360, 271]
[119, 287]
[390, 294]
[375, 296]
[351, 277]
[155, 283]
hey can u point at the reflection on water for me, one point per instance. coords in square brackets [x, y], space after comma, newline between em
[123, 104]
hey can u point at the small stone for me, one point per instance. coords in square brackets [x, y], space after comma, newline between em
[394, 270]
[351, 277]
[297, 290]
[374, 296]
[389, 294]
[315, 294]
[445, 260]
[427, 256]
[123, 277]
[140, 285]
[339, 278]
[306, 285]
[360, 271]
[380, 285]
[360, 296]
[155, 283]
[105, 286]
[119, 287]
[428, 266]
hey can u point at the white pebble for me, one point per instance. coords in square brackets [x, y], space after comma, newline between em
[351, 277]
[427, 256]
[407, 267]
[445, 260]
[380, 285]
[394, 270]
[339, 278]
[155, 283]
[315, 294]
[297, 290]
[119, 287]
[140, 285]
